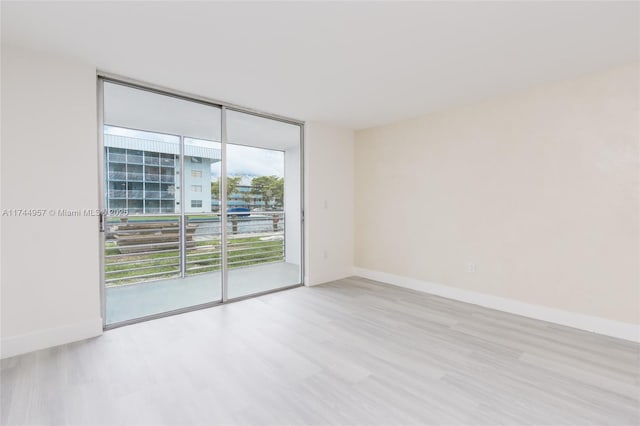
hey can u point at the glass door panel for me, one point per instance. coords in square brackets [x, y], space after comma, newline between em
[263, 204]
[160, 233]
[172, 241]
[203, 242]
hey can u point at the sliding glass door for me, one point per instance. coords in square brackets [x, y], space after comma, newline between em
[201, 204]
[263, 179]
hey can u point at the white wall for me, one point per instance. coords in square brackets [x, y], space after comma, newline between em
[50, 265]
[538, 189]
[329, 204]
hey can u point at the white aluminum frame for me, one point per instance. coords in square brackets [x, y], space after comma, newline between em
[224, 106]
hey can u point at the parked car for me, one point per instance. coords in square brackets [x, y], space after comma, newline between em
[238, 211]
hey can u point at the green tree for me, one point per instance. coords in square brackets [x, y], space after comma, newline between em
[270, 189]
[232, 186]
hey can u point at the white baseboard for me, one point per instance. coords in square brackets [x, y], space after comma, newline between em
[317, 279]
[621, 330]
[16, 345]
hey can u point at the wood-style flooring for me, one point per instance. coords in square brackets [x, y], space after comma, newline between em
[350, 352]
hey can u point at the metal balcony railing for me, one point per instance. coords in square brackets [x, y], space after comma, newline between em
[117, 175]
[151, 161]
[117, 193]
[146, 247]
[139, 177]
[157, 195]
[134, 159]
[117, 158]
[135, 177]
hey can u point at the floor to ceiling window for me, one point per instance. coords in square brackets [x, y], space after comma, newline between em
[202, 203]
[264, 244]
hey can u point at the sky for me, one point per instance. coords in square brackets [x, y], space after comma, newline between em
[249, 161]
[242, 160]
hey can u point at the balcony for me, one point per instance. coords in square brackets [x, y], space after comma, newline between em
[145, 273]
[117, 158]
[146, 244]
[134, 159]
[135, 301]
[151, 161]
[117, 175]
[117, 193]
[157, 195]
[135, 177]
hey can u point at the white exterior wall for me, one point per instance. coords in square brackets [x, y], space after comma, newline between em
[204, 182]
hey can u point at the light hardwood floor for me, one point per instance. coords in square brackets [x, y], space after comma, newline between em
[348, 352]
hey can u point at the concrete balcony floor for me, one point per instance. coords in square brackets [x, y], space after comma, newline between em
[133, 301]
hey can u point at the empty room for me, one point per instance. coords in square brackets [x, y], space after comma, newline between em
[320, 213]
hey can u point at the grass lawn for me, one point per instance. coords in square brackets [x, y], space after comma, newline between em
[202, 257]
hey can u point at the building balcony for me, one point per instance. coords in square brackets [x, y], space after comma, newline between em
[117, 158]
[117, 193]
[131, 194]
[157, 195]
[134, 159]
[135, 177]
[151, 161]
[139, 177]
[117, 175]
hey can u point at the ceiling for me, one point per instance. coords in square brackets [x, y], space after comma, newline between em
[356, 64]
